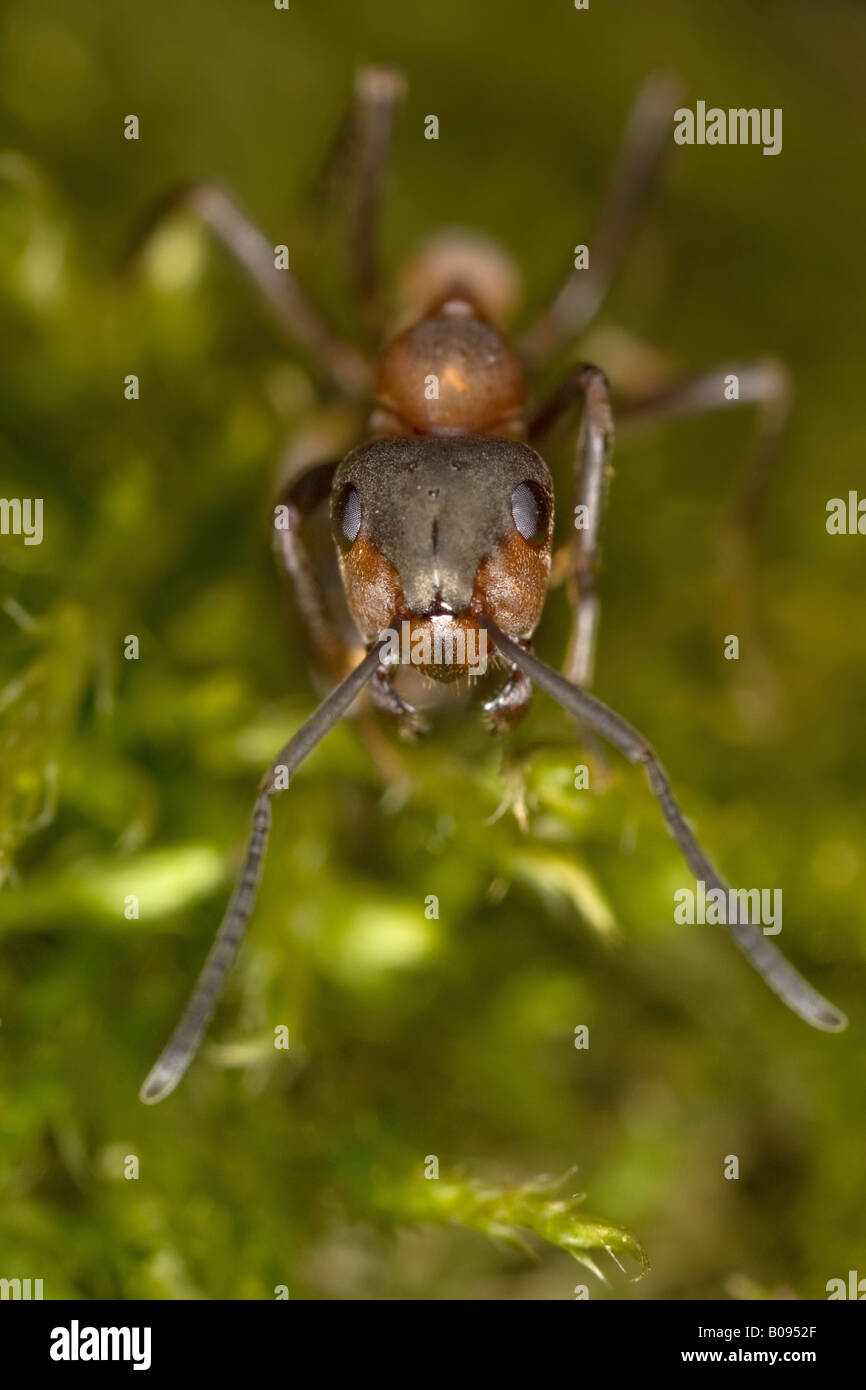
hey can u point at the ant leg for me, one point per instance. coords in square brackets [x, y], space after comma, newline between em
[765, 384]
[342, 364]
[504, 710]
[385, 696]
[777, 972]
[357, 160]
[310, 564]
[648, 135]
[592, 480]
[378, 93]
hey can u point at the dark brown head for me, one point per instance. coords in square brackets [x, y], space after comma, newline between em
[438, 531]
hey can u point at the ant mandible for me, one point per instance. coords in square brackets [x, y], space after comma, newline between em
[443, 518]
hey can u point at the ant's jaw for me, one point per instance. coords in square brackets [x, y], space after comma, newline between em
[437, 609]
[441, 645]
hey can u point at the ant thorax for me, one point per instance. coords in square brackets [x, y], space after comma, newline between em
[451, 372]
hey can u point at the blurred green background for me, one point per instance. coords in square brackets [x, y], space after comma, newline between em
[412, 1037]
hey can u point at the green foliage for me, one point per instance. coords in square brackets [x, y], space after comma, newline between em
[505, 1214]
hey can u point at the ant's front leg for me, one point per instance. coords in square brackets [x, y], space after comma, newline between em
[310, 564]
[592, 480]
[386, 698]
[504, 710]
[344, 367]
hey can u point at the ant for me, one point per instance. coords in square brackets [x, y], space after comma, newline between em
[443, 516]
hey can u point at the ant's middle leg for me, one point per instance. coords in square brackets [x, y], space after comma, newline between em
[764, 384]
[343, 366]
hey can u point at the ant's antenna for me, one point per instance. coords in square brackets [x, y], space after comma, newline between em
[184, 1042]
[769, 962]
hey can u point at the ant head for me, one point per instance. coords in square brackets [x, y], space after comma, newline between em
[451, 529]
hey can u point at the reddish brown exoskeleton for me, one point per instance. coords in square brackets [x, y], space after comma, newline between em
[443, 516]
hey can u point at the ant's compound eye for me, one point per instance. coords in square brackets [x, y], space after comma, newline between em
[531, 512]
[348, 516]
